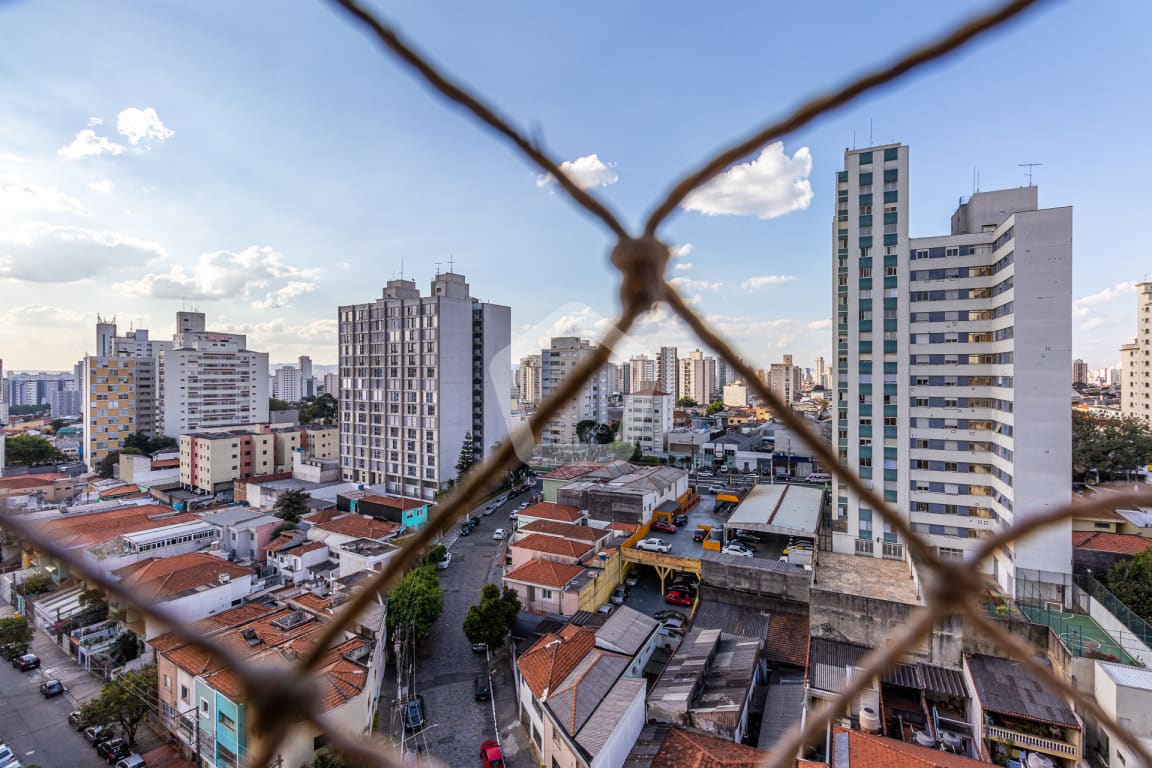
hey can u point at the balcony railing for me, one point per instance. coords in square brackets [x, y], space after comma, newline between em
[1035, 743]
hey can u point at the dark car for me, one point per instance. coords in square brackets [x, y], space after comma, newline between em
[665, 615]
[619, 595]
[26, 662]
[113, 749]
[11, 650]
[680, 519]
[76, 720]
[663, 527]
[468, 526]
[414, 713]
[50, 688]
[678, 597]
[481, 690]
[700, 534]
[98, 733]
[479, 647]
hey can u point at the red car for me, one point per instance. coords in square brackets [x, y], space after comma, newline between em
[677, 597]
[490, 755]
[663, 527]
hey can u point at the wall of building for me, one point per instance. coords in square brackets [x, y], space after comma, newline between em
[200, 605]
[731, 573]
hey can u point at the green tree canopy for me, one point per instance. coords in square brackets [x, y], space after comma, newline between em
[58, 424]
[416, 602]
[685, 402]
[276, 404]
[106, 465]
[125, 701]
[15, 630]
[322, 410]
[1109, 447]
[491, 619]
[148, 444]
[36, 583]
[30, 450]
[291, 505]
[467, 456]
[715, 407]
[1131, 581]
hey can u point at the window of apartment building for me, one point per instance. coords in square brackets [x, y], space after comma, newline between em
[204, 706]
[226, 721]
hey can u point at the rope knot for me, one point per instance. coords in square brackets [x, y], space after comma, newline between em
[280, 696]
[641, 262]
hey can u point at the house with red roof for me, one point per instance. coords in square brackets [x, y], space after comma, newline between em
[546, 586]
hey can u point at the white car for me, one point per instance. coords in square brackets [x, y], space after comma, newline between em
[736, 548]
[443, 564]
[704, 473]
[654, 545]
[498, 534]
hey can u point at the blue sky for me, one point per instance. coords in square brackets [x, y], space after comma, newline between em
[264, 162]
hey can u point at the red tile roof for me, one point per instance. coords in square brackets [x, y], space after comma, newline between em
[867, 751]
[572, 471]
[550, 510]
[565, 530]
[30, 481]
[545, 573]
[787, 640]
[545, 665]
[554, 545]
[395, 502]
[119, 491]
[684, 749]
[165, 463]
[166, 578]
[359, 527]
[1102, 541]
[81, 530]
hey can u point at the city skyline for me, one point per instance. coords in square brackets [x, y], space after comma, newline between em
[136, 190]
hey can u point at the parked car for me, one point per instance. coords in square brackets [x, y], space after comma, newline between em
[619, 595]
[678, 597]
[490, 755]
[414, 713]
[466, 528]
[704, 473]
[11, 650]
[113, 749]
[443, 564]
[132, 761]
[663, 527]
[750, 535]
[741, 543]
[498, 534]
[50, 688]
[7, 756]
[632, 578]
[26, 662]
[480, 689]
[98, 733]
[679, 519]
[819, 477]
[606, 609]
[654, 545]
[700, 534]
[76, 720]
[669, 614]
[489, 510]
[674, 624]
[479, 647]
[736, 548]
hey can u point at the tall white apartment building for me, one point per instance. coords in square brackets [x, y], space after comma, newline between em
[641, 373]
[953, 368]
[286, 384]
[647, 419]
[698, 377]
[418, 373]
[820, 378]
[332, 384]
[785, 379]
[528, 379]
[668, 370]
[209, 380]
[590, 404]
[1136, 361]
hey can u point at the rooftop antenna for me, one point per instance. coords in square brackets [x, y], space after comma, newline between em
[1029, 166]
[973, 179]
[451, 263]
[437, 263]
[853, 139]
[401, 269]
[870, 132]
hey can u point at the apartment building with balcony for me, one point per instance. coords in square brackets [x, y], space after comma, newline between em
[648, 419]
[1136, 361]
[953, 367]
[211, 461]
[417, 374]
[563, 356]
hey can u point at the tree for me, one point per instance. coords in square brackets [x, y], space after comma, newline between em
[491, 620]
[15, 631]
[323, 409]
[30, 450]
[275, 404]
[416, 602]
[106, 465]
[685, 402]
[604, 434]
[125, 701]
[715, 407]
[57, 424]
[585, 430]
[436, 554]
[1108, 448]
[637, 454]
[327, 757]
[1131, 581]
[145, 444]
[467, 457]
[36, 583]
[291, 505]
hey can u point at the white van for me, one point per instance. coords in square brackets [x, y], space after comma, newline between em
[132, 761]
[819, 477]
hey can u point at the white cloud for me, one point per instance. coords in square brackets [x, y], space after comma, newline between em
[104, 186]
[682, 266]
[219, 275]
[12, 159]
[1090, 313]
[586, 172]
[281, 297]
[771, 185]
[1103, 297]
[763, 281]
[681, 251]
[683, 284]
[94, 121]
[140, 124]
[42, 316]
[88, 144]
[42, 254]
[343, 266]
[21, 198]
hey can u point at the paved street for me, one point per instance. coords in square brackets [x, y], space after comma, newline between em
[446, 667]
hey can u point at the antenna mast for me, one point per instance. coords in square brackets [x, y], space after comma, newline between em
[1029, 166]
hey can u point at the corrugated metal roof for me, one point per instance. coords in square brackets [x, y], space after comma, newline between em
[904, 675]
[604, 721]
[732, 619]
[784, 509]
[828, 662]
[1129, 677]
[1006, 687]
[584, 689]
[944, 681]
[647, 746]
[625, 631]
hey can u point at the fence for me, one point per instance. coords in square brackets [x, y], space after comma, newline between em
[277, 701]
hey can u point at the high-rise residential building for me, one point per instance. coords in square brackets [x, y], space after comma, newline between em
[65, 403]
[668, 370]
[785, 379]
[1136, 361]
[647, 419]
[590, 404]
[1079, 372]
[820, 378]
[109, 392]
[642, 373]
[698, 377]
[528, 379]
[418, 374]
[332, 384]
[36, 388]
[286, 384]
[953, 369]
